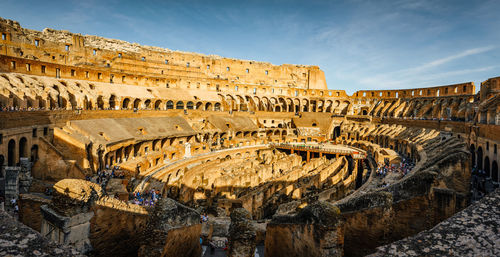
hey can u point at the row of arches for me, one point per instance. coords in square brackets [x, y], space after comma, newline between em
[283, 104]
[452, 108]
[18, 150]
[483, 162]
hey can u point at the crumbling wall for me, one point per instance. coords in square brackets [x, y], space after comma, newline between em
[317, 230]
[116, 232]
[171, 217]
[52, 165]
[29, 210]
[242, 234]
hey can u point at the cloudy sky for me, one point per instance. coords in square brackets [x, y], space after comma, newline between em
[359, 44]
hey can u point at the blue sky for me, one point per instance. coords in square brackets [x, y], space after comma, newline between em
[359, 44]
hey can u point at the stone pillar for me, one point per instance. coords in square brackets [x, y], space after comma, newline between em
[11, 181]
[242, 234]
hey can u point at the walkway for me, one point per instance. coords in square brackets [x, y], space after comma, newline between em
[326, 148]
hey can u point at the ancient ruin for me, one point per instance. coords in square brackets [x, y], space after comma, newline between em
[109, 148]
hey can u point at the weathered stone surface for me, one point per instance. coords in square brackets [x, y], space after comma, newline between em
[316, 230]
[475, 231]
[17, 239]
[172, 230]
[242, 234]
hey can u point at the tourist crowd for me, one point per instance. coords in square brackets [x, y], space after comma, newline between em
[148, 198]
[403, 168]
[103, 176]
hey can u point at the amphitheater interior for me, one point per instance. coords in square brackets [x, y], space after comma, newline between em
[111, 148]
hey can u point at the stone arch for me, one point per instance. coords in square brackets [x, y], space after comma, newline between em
[336, 132]
[217, 107]
[305, 105]
[283, 104]
[23, 147]
[473, 154]
[169, 105]
[231, 103]
[11, 153]
[296, 104]
[199, 105]
[100, 102]
[494, 171]
[258, 103]
[179, 105]
[329, 105]
[290, 105]
[72, 101]
[137, 103]
[242, 104]
[34, 153]
[157, 105]
[147, 104]
[487, 166]
[190, 105]
[479, 158]
[112, 102]
[125, 103]
[208, 106]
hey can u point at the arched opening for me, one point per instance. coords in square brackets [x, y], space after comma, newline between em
[365, 112]
[479, 158]
[217, 107]
[179, 105]
[125, 103]
[23, 147]
[11, 153]
[208, 107]
[473, 155]
[494, 171]
[72, 101]
[190, 105]
[487, 166]
[100, 103]
[170, 105]
[112, 103]
[34, 153]
[158, 105]
[147, 104]
[336, 132]
[2, 161]
[137, 102]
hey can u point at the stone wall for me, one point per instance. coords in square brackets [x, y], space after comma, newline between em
[111, 230]
[29, 209]
[315, 231]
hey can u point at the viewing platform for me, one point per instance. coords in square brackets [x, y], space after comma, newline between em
[318, 150]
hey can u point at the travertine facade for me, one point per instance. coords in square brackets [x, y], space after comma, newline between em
[220, 134]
